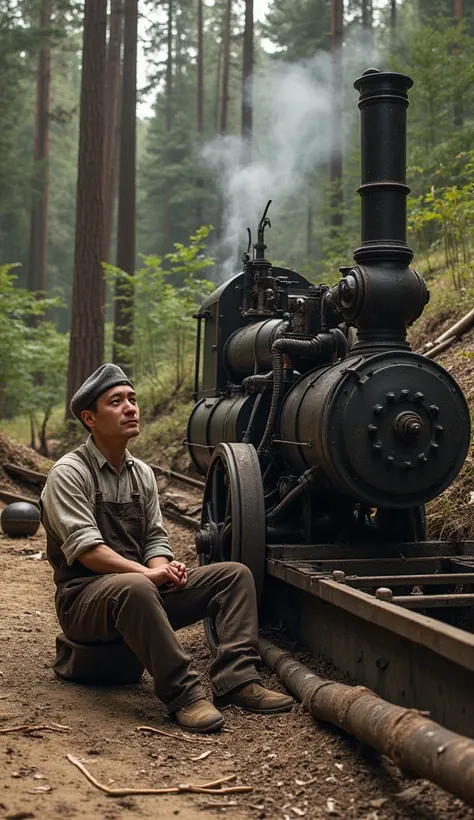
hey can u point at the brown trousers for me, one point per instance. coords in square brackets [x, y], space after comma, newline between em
[130, 605]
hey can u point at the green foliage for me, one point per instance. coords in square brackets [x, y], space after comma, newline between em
[164, 330]
[33, 355]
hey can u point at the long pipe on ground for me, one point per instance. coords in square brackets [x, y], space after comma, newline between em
[414, 742]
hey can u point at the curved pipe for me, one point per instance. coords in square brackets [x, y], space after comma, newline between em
[299, 347]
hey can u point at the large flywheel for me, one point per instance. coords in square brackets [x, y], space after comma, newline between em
[233, 516]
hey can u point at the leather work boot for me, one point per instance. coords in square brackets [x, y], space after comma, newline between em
[199, 716]
[253, 697]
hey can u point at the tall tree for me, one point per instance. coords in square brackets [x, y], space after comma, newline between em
[393, 15]
[87, 322]
[224, 112]
[200, 99]
[247, 71]
[169, 124]
[37, 275]
[126, 236]
[335, 159]
[226, 67]
[112, 121]
[458, 114]
[367, 13]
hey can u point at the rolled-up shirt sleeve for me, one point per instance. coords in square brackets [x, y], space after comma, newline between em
[69, 511]
[156, 543]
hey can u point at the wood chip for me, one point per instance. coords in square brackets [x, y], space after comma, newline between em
[219, 805]
[297, 811]
[203, 756]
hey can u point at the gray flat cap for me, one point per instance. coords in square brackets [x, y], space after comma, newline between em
[104, 378]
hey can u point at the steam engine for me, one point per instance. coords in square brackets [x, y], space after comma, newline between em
[305, 438]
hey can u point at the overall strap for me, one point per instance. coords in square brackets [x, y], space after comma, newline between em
[88, 463]
[135, 490]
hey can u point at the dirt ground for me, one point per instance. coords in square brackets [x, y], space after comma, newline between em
[295, 767]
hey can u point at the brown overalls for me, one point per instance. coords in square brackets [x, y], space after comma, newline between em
[99, 612]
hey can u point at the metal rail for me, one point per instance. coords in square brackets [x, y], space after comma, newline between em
[406, 657]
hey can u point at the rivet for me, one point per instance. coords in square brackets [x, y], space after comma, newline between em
[378, 409]
[377, 448]
[404, 394]
[434, 446]
[384, 594]
[372, 429]
[339, 576]
[407, 465]
[422, 458]
[439, 429]
[389, 461]
[434, 409]
[419, 398]
[390, 397]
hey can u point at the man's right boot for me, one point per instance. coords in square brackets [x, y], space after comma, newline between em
[199, 716]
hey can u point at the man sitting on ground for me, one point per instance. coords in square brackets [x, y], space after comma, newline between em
[116, 575]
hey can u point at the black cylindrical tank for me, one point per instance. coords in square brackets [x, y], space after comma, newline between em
[250, 346]
[390, 430]
[220, 419]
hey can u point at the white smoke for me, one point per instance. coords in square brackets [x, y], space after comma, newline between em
[291, 138]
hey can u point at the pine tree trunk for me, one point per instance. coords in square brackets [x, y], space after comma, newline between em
[393, 15]
[126, 235]
[112, 130]
[224, 97]
[87, 322]
[247, 72]
[458, 112]
[226, 68]
[200, 100]
[335, 160]
[218, 85]
[367, 14]
[169, 126]
[37, 273]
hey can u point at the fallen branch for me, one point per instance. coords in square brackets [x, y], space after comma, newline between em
[28, 727]
[205, 788]
[175, 736]
[448, 337]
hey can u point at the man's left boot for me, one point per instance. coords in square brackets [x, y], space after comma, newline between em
[253, 697]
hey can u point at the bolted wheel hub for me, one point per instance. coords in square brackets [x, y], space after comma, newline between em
[207, 539]
[408, 426]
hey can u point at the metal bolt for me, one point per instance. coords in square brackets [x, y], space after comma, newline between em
[404, 394]
[390, 397]
[434, 446]
[419, 398]
[372, 429]
[407, 465]
[422, 458]
[438, 429]
[434, 409]
[377, 448]
[378, 409]
[384, 594]
[339, 576]
[382, 663]
[389, 461]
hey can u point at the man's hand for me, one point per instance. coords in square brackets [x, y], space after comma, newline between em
[170, 573]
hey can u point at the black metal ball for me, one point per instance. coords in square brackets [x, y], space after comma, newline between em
[20, 519]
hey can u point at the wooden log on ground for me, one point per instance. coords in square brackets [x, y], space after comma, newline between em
[32, 476]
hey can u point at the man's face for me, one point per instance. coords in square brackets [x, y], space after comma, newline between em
[117, 416]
